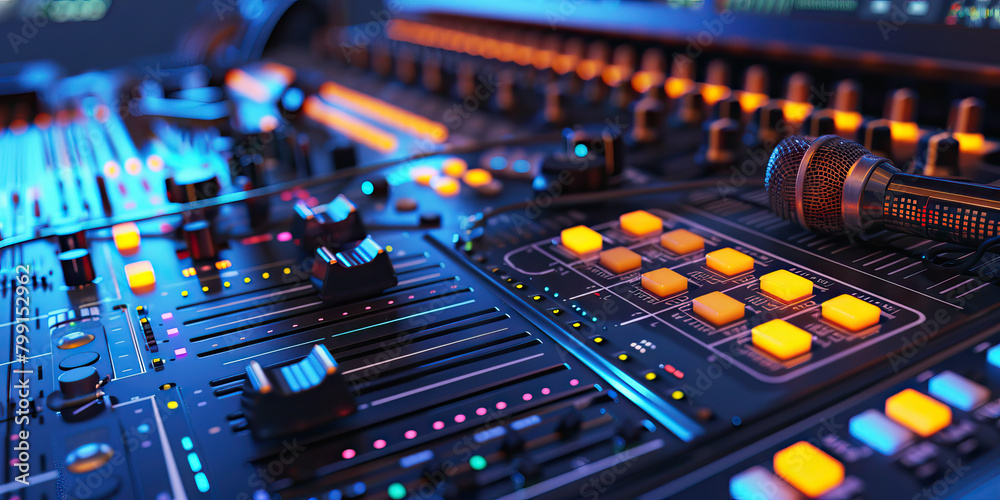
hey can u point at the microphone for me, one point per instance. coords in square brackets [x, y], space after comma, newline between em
[833, 185]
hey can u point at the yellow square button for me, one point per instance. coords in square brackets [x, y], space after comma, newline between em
[729, 261]
[620, 260]
[781, 339]
[127, 238]
[718, 308]
[785, 285]
[640, 223]
[582, 240]
[663, 282]
[917, 412]
[851, 312]
[682, 241]
[140, 276]
[809, 469]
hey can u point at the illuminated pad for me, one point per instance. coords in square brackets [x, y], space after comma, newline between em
[883, 435]
[785, 285]
[620, 260]
[809, 469]
[851, 312]
[663, 282]
[957, 390]
[581, 240]
[917, 412]
[781, 339]
[127, 238]
[640, 223]
[729, 262]
[140, 276]
[682, 241]
[757, 483]
[718, 308]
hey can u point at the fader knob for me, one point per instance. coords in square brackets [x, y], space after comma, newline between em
[969, 116]
[77, 267]
[192, 184]
[359, 269]
[331, 225]
[200, 243]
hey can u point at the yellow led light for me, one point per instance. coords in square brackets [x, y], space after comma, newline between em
[851, 312]
[650, 376]
[785, 285]
[287, 271]
[781, 339]
[141, 277]
[184, 293]
[265, 275]
[640, 223]
[172, 405]
[663, 282]
[454, 167]
[246, 280]
[597, 340]
[445, 186]
[582, 240]
[620, 260]
[729, 261]
[808, 469]
[623, 357]
[204, 289]
[127, 237]
[718, 308]
[919, 413]
[226, 284]
[678, 395]
[477, 177]
[682, 241]
[423, 175]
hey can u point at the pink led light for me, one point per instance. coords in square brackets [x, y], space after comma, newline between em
[546, 391]
[574, 382]
[438, 425]
[180, 353]
[368, 307]
[391, 302]
[173, 332]
[410, 434]
[285, 236]
[501, 405]
[526, 397]
[679, 374]
[459, 418]
[379, 444]
[481, 411]
[345, 313]
[167, 316]
[286, 196]
[348, 454]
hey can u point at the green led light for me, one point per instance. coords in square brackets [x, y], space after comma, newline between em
[477, 462]
[397, 491]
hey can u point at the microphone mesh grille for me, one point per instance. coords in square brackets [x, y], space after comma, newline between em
[823, 188]
[779, 179]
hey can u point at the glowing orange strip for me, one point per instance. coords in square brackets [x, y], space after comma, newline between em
[350, 126]
[383, 112]
[247, 85]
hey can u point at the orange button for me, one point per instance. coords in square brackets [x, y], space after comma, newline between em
[809, 469]
[917, 412]
[620, 260]
[140, 276]
[718, 308]
[729, 261]
[682, 241]
[663, 282]
[582, 240]
[640, 223]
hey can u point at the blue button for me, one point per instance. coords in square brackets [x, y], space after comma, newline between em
[876, 430]
[993, 356]
[957, 390]
[756, 483]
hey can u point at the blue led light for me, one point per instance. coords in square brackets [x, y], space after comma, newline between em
[201, 481]
[756, 482]
[194, 462]
[360, 488]
[144, 428]
[187, 443]
[877, 431]
[498, 163]
[293, 98]
[581, 150]
[521, 166]
[993, 356]
[957, 390]
[737, 420]
[367, 188]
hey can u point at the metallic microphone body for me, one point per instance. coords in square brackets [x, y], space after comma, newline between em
[833, 185]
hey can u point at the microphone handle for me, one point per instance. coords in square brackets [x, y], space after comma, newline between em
[941, 209]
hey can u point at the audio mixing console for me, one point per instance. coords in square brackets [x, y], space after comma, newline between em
[326, 250]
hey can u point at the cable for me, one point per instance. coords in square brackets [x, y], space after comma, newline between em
[265, 191]
[961, 264]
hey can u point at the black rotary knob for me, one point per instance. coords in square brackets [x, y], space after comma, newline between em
[77, 267]
[201, 245]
